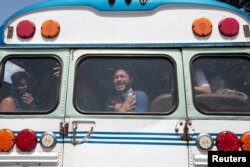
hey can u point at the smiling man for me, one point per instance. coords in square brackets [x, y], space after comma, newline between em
[125, 98]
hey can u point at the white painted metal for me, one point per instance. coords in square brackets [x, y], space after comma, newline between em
[125, 140]
[39, 156]
[84, 25]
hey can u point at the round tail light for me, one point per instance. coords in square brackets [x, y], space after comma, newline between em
[245, 141]
[229, 27]
[7, 140]
[50, 28]
[204, 141]
[48, 140]
[26, 140]
[227, 141]
[25, 29]
[202, 27]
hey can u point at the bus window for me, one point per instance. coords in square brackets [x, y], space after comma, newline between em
[223, 82]
[29, 85]
[125, 85]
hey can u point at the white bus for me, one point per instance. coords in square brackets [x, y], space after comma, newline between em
[118, 83]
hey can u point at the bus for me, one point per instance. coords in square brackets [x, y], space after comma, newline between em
[124, 83]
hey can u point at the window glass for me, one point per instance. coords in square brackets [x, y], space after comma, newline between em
[29, 85]
[222, 84]
[125, 85]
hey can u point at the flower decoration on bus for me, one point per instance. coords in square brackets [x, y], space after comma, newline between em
[25, 29]
[7, 140]
[202, 27]
[50, 28]
[229, 27]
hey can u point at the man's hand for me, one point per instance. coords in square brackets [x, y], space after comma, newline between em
[128, 105]
[27, 98]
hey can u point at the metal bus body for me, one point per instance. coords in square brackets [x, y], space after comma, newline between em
[71, 49]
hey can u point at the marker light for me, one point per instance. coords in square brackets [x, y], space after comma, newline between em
[229, 27]
[7, 140]
[26, 140]
[227, 141]
[50, 28]
[128, 2]
[111, 2]
[204, 141]
[245, 141]
[48, 140]
[25, 29]
[202, 27]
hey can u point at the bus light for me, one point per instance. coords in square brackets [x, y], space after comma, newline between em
[50, 29]
[229, 27]
[26, 140]
[7, 140]
[245, 141]
[111, 2]
[25, 29]
[202, 27]
[48, 140]
[204, 141]
[227, 141]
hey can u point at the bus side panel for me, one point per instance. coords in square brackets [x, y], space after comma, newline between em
[39, 156]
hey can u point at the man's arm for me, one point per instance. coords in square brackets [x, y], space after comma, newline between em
[8, 105]
[141, 102]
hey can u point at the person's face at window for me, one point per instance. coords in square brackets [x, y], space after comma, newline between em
[121, 80]
[23, 84]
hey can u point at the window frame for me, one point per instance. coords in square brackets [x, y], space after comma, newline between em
[128, 56]
[215, 56]
[32, 56]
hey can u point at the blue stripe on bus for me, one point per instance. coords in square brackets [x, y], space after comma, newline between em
[103, 5]
[138, 138]
[132, 143]
[127, 133]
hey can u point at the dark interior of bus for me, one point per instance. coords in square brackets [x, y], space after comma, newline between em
[43, 84]
[154, 76]
[229, 78]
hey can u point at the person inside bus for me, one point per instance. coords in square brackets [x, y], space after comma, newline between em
[19, 99]
[6, 102]
[86, 97]
[201, 83]
[125, 98]
[47, 94]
